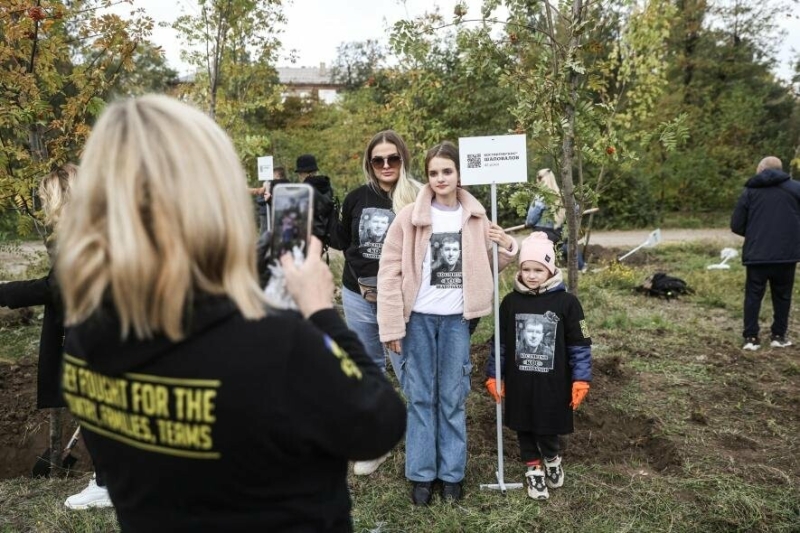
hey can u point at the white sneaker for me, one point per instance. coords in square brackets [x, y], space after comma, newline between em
[751, 343]
[554, 473]
[92, 496]
[365, 468]
[780, 341]
[535, 481]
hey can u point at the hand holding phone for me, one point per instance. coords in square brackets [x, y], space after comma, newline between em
[311, 283]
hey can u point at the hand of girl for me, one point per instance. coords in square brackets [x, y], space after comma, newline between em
[393, 346]
[498, 235]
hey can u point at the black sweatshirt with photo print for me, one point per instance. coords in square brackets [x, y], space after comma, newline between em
[358, 263]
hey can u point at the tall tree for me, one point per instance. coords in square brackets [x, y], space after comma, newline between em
[232, 43]
[357, 63]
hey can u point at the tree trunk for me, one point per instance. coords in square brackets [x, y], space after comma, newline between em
[568, 154]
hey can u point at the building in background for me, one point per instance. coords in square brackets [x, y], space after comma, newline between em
[304, 81]
[300, 82]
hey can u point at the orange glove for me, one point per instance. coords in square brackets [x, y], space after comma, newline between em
[491, 386]
[579, 391]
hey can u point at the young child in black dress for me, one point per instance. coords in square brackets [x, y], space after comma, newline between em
[546, 362]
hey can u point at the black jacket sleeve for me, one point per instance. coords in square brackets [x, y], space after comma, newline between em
[16, 294]
[579, 344]
[739, 217]
[350, 409]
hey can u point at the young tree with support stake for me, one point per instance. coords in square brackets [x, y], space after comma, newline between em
[574, 104]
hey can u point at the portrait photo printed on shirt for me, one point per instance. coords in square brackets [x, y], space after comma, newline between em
[372, 228]
[536, 341]
[446, 271]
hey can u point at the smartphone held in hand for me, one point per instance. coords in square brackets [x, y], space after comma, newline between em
[292, 218]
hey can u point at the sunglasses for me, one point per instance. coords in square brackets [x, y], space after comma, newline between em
[378, 162]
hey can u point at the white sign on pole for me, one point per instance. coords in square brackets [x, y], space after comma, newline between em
[493, 159]
[265, 168]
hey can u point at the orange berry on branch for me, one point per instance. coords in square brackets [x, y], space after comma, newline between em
[37, 13]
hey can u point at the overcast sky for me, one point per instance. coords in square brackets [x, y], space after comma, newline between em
[315, 28]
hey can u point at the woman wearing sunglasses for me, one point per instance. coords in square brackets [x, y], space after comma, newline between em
[424, 315]
[388, 188]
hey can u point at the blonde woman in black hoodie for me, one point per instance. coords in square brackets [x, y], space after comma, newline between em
[207, 411]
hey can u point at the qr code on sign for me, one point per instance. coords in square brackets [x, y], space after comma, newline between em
[473, 160]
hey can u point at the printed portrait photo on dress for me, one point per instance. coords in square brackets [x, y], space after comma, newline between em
[446, 271]
[372, 228]
[536, 339]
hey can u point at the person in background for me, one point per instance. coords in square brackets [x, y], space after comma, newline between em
[325, 215]
[543, 385]
[388, 188]
[426, 318]
[546, 213]
[55, 191]
[207, 411]
[767, 215]
[263, 196]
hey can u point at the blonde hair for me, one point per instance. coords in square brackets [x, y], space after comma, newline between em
[159, 214]
[55, 190]
[405, 189]
[546, 177]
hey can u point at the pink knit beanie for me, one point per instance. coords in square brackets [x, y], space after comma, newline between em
[537, 247]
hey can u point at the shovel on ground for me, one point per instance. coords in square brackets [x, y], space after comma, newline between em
[652, 239]
[42, 466]
[726, 254]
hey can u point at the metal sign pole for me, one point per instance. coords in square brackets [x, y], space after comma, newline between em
[501, 485]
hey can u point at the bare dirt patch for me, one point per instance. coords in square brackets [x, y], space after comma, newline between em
[25, 430]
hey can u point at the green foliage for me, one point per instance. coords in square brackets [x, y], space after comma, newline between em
[357, 64]
[233, 46]
[59, 62]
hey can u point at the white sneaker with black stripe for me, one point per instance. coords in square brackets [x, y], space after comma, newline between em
[751, 343]
[780, 341]
[554, 473]
[535, 482]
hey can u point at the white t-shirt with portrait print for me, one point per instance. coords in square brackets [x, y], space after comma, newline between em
[442, 290]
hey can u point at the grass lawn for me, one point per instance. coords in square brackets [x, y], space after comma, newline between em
[681, 431]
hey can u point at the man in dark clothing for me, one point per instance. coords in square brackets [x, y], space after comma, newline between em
[767, 215]
[325, 213]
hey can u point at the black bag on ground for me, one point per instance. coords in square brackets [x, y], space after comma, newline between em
[664, 286]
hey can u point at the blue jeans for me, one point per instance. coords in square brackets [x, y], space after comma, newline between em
[436, 369]
[362, 317]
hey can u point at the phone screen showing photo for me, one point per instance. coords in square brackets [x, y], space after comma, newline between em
[291, 219]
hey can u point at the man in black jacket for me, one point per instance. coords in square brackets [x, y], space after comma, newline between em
[767, 215]
[325, 214]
